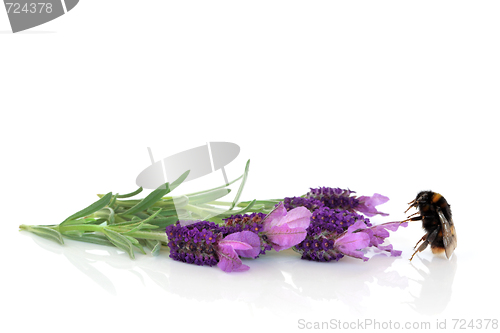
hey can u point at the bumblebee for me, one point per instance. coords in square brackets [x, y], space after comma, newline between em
[435, 214]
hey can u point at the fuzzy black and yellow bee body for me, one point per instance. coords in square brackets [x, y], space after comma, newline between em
[435, 214]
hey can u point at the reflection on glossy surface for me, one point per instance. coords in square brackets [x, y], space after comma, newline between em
[279, 282]
[436, 284]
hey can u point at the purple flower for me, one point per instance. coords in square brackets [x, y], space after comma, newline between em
[194, 243]
[310, 203]
[351, 243]
[284, 229]
[244, 243]
[337, 198]
[330, 235]
[246, 237]
[380, 232]
[367, 204]
[203, 243]
[334, 234]
[249, 222]
[334, 197]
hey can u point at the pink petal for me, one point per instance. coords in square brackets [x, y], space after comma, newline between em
[245, 237]
[367, 204]
[273, 218]
[299, 217]
[379, 233]
[228, 259]
[392, 226]
[350, 243]
[236, 244]
[356, 226]
[284, 237]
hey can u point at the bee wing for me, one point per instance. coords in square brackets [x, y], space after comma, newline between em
[449, 235]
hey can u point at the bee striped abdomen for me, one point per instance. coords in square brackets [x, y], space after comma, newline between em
[435, 214]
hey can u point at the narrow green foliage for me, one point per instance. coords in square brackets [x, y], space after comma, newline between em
[122, 196]
[44, 232]
[120, 241]
[155, 246]
[242, 185]
[139, 226]
[156, 195]
[241, 211]
[162, 222]
[136, 243]
[134, 224]
[90, 238]
[98, 205]
[208, 196]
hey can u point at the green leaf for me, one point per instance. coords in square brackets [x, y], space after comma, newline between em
[208, 196]
[139, 226]
[89, 220]
[113, 200]
[76, 233]
[242, 185]
[222, 186]
[121, 196]
[98, 205]
[136, 243]
[241, 211]
[172, 212]
[90, 238]
[44, 232]
[179, 180]
[111, 218]
[155, 247]
[164, 222]
[120, 241]
[156, 195]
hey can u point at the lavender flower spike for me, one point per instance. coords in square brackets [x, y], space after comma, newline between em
[202, 243]
[284, 230]
[334, 234]
[337, 198]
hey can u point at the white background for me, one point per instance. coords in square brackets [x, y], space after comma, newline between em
[392, 97]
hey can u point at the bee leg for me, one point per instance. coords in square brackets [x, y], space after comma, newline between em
[416, 218]
[429, 238]
[421, 239]
[412, 204]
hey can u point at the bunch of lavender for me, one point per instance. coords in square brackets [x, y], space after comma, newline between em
[206, 243]
[201, 230]
[336, 229]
